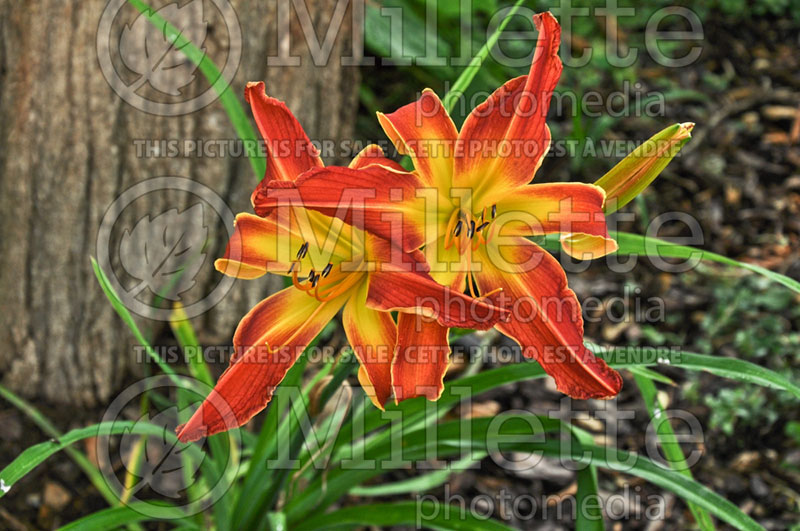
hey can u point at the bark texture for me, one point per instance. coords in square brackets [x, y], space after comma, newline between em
[70, 148]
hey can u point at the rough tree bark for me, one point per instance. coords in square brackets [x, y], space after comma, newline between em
[68, 149]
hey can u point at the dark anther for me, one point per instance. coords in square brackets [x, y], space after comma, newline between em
[303, 250]
[314, 280]
[471, 230]
[494, 211]
[291, 268]
[327, 270]
[482, 226]
[311, 276]
[457, 230]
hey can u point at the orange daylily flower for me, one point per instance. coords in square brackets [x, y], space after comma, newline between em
[331, 269]
[470, 204]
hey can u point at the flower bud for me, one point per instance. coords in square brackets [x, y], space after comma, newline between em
[635, 172]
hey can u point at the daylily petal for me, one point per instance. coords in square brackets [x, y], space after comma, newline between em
[545, 317]
[372, 335]
[373, 154]
[448, 266]
[573, 209]
[268, 341]
[425, 132]
[421, 358]
[415, 292]
[260, 245]
[505, 139]
[482, 134]
[374, 198]
[290, 151]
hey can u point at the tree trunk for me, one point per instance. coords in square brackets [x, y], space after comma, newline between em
[71, 145]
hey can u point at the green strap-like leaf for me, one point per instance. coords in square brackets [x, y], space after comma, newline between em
[427, 514]
[127, 318]
[34, 455]
[91, 471]
[471, 70]
[513, 434]
[669, 443]
[117, 517]
[636, 244]
[421, 483]
[643, 245]
[230, 102]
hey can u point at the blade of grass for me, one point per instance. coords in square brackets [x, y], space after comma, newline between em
[127, 318]
[652, 375]
[669, 443]
[734, 369]
[517, 436]
[422, 483]
[471, 70]
[589, 515]
[91, 471]
[402, 514]
[230, 102]
[636, 244]
[34, 455]
[116, 517]
[220, 452]
[187, 339]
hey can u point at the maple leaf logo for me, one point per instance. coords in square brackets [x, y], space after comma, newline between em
[146, 49]
[165, 253]
[161, 466]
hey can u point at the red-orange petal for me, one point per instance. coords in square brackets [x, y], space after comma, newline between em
[268, 341]
[421, 358]
[573, 209]
[424, 131]
[545, 317]
[372, 335]
[289, 150]
[374, 198]
[506, 137]
[416, 292]
[373, 154]
[258, 246]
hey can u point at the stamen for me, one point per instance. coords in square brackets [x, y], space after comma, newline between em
[338, 284]
[494, 211]
[482, 226]
[457, 230]
[478, 242]
[327, 270]
[496, 290]
[303, 250]
[296, 283]
[314, 280]
[471, 230]
[448, 232]
[291, 268]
